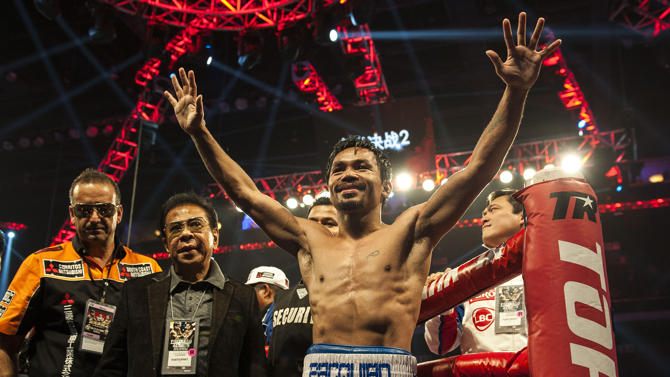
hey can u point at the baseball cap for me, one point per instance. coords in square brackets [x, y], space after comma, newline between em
[268, 274]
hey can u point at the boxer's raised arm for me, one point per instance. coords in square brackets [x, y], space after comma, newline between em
[519, 72]
[277, 222]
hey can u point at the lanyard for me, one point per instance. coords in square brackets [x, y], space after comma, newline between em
[196, 307]
[105, 280]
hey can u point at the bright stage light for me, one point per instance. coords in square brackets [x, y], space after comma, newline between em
[571, 163]
[209, 60]
[11, 234]
[619, 188]
[656, 178]
[529, 173]
[581, 124]
[404, 181]
[428, 185]
[323, 194]
[308, 200]
[292, 203]
[506, 176]
[332, 35]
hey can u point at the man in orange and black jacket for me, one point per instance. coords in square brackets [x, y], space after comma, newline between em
[68, 292]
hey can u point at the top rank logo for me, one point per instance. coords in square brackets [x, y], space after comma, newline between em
[73, 269]
[584, 204]
[131, 271]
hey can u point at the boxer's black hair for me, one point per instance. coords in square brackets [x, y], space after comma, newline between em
[516, 206]
[361, 142]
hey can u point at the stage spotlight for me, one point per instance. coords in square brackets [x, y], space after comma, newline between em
[428, 185]
[404, 181]
[571, 163]
[581, 124]
[656, 178]
[107, 130]
[323, 194]
[92, 131]
[292, 203]
[528, 173]
[308, 199]
[580, 133]
[391, 195]
[506, 176]
[249, 50]
[619, 188]
[11, 234]
[333, 35]
[209, 60]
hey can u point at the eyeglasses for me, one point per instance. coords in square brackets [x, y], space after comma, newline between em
[86, 210]
[194, 225]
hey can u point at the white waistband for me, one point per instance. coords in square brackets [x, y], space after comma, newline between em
[359, 365]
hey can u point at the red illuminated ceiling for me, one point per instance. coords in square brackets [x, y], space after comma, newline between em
[219, 14]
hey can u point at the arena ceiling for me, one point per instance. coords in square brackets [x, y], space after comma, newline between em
[56, 83]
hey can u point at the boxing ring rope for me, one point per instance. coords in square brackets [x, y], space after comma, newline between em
[560, 255]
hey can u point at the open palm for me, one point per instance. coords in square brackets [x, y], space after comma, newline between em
[188, 104]
[523, 63]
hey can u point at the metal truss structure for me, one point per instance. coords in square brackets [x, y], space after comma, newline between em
[571, 95]
[604, 208]
[309, 82]
[521, 156]
[119, 156]
[280, 187]
[357, 43]
[219, 14]
[647, 17]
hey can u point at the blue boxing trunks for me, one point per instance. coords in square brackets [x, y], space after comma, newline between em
[331, 360]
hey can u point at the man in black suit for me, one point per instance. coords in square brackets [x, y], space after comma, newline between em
[191, 319]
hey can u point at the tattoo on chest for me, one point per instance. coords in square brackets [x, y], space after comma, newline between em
[373, 254]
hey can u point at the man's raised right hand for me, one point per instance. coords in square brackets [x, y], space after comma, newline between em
[188, 104]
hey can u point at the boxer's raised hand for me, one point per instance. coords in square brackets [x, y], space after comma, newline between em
[523, 63]
[187, 104]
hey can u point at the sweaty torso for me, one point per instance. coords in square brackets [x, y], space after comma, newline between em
[367, 291]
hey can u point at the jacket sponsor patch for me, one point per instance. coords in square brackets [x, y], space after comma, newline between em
[131, 271]
[73, 269]
[7, 298]
[2, 310]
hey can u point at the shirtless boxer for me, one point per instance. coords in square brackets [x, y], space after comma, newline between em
[365, 282]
